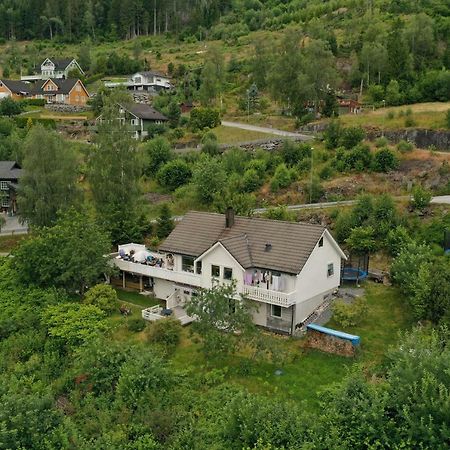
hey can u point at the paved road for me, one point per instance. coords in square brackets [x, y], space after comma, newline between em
[442, 199]
[245, 126]
[13, 226]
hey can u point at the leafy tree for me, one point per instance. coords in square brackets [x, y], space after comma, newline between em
[69, 255]
[27, 414]
[74, 323]
[314, 190]
[114, 168]
[397, 238]
[10, 107]
[158, 152]
[361, 240]
[164, 223]
[405, 267]
[393, 95]
[208, 178]
[243, 204]
[174, 174]
[103, 297]
[220, 313]
[49, 183]
[202, 118]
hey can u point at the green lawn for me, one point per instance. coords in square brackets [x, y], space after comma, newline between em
[424, 115]
[136, 299]
[308, 372]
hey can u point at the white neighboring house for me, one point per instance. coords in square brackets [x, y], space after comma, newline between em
[147, 81]
[55, 68]
[288, 269]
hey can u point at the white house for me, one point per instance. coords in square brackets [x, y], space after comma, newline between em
[55, 68]
[152, 82]
[288, 269]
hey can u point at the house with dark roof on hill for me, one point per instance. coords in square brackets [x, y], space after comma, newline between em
[287, 269]
[59, 68]
[69, 91]
[10, 174]
[15, 89]
[138, 117]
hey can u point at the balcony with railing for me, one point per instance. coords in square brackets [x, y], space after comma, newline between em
[136, 259]
[284, 299]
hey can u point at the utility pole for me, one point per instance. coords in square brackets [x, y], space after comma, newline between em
[311, 175]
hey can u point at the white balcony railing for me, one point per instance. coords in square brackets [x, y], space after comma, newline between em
[158, 272]
[267, 296]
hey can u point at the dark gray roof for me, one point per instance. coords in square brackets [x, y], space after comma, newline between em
[10, 170]
[17, 87]
[291, 243]
[145, 112]
[60, 63]
[150, 73]
[64, 86]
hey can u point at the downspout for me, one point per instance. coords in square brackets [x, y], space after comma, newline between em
[292, 320]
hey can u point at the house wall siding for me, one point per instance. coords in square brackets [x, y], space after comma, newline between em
[163, 288]
[220, 257]
[313, 282]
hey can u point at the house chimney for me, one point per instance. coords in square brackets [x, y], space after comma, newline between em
[229, 217]
[268, 247]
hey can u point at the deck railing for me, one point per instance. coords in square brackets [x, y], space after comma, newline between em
[158, 272]
[267, 296]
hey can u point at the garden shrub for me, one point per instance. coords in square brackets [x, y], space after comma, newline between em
[420, 198]
[252, 181]
[174, 174]
[404, 146]
[359, 158]
[381, 142]
[350, 314]
[281, 179]
[351, 137]
[103, 296]
[385, 161]
[136, 324]
[165, 332]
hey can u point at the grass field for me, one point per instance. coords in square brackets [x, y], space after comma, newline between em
[306, 373]
[424, 115]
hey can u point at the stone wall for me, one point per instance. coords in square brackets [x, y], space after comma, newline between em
[62, 108]
[420, 137]
[329, 344]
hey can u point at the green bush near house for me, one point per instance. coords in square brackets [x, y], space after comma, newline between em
[350, 314]
[166, 333]
[103, 296]
[136, 324]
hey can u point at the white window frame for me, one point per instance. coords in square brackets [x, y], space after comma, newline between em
[4, 186]
[230, 269]
[5, 202]
[272, 311]
[330, 265]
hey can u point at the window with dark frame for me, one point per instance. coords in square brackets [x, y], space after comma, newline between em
[187, 264]
[215, 271]
[276, 311]
[330, 270]
[321, 242]
[198, 267]
[227, 273]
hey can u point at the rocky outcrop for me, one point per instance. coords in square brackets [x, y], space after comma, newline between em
[420, 137]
